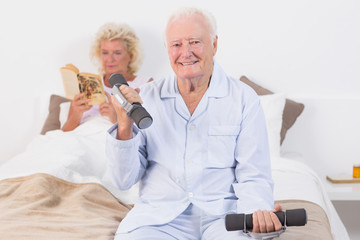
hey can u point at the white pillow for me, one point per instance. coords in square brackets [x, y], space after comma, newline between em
[273, 107]
[64, 112]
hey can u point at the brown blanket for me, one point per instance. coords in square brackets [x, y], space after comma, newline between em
[317, 227]
[41, 206]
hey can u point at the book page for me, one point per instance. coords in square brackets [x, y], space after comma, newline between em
[72, 67]
[70, 81]
[92, 87]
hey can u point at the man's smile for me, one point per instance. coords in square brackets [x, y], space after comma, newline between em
[188, 63]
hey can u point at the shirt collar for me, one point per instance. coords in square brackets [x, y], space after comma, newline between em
[219, 85]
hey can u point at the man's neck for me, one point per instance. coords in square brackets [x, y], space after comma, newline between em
[192, 91]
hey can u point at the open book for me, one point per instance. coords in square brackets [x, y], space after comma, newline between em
[89, 84]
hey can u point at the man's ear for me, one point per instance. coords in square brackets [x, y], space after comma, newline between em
[215, 45]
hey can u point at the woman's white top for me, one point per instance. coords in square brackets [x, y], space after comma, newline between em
[137, 82]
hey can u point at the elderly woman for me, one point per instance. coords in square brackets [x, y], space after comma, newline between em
[116, 49]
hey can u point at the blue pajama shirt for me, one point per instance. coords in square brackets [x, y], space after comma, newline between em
[216, 159]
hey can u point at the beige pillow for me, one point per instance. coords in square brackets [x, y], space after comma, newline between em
[52, 121]
[292, 109]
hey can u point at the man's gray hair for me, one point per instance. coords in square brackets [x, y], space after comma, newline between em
[190, 11]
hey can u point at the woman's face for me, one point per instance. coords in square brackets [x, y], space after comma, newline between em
[114, 56]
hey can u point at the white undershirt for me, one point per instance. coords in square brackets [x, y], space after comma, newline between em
[137, 82]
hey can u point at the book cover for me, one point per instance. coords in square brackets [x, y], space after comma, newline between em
[76, 82]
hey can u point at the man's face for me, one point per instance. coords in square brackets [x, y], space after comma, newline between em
[190, 48]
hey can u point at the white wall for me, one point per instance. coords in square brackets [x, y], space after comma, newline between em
[308, 49]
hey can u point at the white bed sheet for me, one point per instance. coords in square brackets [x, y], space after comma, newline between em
[79, 156]
[296, 180]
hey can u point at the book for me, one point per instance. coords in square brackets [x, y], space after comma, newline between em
[76, 82]
[343, 178]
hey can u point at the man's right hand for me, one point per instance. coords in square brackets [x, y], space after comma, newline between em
[125, 123]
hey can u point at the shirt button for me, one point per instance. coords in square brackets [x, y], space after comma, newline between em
[190, 194]
[192, 127]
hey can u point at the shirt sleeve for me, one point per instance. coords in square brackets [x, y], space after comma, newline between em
[254, 186]
[125, 162]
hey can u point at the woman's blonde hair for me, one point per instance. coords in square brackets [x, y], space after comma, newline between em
[112, 31]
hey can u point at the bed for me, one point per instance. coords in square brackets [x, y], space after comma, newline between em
[58, 188]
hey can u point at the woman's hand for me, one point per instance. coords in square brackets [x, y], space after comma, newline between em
[77, 107]
[107, 109]
[266, 221]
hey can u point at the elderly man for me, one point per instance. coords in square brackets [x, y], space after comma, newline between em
[206, 154]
